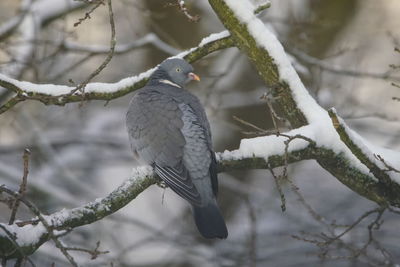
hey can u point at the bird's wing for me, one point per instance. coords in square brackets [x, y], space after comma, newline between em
[198, 157]
[178, 179]
[154, 122]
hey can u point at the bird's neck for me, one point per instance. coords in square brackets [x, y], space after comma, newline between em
[161, 77]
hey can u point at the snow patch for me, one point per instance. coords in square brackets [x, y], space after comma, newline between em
[27, 234]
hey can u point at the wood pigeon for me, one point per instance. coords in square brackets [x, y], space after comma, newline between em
[168, 129]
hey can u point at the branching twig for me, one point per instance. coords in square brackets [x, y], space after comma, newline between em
[274, 115]
[113, 41]
[389, 168]
[182, 7]
[94, 253]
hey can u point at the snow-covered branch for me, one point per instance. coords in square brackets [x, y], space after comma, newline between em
[30, 235]
[363, 153]
[269, 58]
[51, 94]
[256, 153]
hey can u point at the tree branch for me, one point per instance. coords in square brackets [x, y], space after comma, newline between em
[60, 94]
[269, 58]
[360, 150]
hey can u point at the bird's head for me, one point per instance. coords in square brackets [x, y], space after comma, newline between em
[178, 71]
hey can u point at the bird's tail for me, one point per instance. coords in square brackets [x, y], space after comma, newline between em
[210, 222]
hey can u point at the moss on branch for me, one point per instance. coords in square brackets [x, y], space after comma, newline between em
[337, 164]
[262, 61]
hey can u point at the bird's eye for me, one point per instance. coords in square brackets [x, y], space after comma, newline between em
[178, 70]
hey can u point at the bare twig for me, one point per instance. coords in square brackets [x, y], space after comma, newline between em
[113, 42]
[182, 7]
[287, 142]
[87, 14]
[262, 7]
[395, 85]
[274, 115]
[253, 233]
[389, 168]
[250, 124]
[22, 187]
[279, 188]
[94, 253]
[324, 241]
[374, 225]
[340, 70]
[357, 222]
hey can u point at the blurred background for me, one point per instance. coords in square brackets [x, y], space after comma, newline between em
[342, 49]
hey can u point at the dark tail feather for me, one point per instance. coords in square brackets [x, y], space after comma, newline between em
[210, 222]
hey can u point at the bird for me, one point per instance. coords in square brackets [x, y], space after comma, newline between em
[169, 130]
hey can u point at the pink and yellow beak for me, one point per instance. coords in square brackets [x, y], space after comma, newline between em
[193, 76]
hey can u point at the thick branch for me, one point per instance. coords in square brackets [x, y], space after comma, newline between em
[246, 157]
[261, 58]
[141, 179]
[268, 56]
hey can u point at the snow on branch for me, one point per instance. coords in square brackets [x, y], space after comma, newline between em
[267, 152]
[262, 47]
[24, 237]
[51, 94]
[378, 166]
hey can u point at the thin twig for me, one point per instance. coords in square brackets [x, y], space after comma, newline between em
[87, 14]
[389, 168]
[22, 187]
[94, 253]
[182, 7]
[395, 85]
[357, 222]
[274, 115]
[262, 7]
[249, 124]
[253, 233]
[113, 42]
[279, 188]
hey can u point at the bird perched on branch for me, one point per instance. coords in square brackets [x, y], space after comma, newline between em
[169, 130]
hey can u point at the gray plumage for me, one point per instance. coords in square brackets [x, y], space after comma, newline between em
[169, 130]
